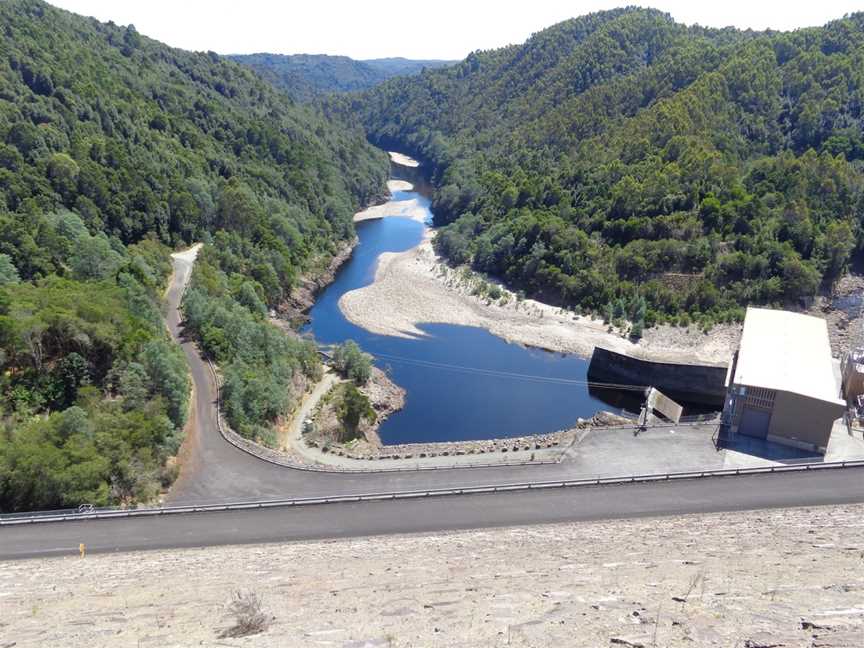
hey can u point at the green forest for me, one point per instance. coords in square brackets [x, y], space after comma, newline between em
[629, 166]
[308, 77]
[618, 164]
[115, 150]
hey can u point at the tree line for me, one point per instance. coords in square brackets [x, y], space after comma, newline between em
[115, 149]
[621, 157]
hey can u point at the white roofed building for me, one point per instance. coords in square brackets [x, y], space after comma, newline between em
[781, 385]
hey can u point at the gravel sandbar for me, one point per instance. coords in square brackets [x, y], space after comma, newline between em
[416, 286]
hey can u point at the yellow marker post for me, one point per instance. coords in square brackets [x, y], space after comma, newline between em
[82, 548]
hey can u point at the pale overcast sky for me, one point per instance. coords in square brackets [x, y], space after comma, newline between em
[445, 29]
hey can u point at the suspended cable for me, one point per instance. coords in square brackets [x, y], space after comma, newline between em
[496, 373]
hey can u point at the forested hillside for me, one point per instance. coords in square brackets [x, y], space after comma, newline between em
[398, 66]
[624, 164]
[308, 76]
[114, 149]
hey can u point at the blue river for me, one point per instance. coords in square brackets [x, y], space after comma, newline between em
[462, 382]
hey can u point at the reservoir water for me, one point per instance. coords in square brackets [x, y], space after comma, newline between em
[462, 382]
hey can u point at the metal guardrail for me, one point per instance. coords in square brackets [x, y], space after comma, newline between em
[87, 512]
[103, 514]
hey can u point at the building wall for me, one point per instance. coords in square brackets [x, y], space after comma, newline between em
[803, 420]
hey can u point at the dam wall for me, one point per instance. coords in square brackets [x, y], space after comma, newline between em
[695, 383]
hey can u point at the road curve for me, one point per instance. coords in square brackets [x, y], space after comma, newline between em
[216, 471]
[813, 488]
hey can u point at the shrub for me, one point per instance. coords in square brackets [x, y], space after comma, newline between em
[351, 408]
[245, 608]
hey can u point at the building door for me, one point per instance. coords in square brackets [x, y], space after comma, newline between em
[754, 422]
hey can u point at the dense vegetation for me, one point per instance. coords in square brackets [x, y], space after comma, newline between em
[263, 368]
[94, 396]
[114, 149]
[398, 66]
[627, 165]
[308, 76]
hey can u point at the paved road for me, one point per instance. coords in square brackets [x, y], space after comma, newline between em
[216, 471]
[436, 514]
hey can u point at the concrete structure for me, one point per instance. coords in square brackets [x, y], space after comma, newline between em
[656, 402]
[688, 383]
[780, 384]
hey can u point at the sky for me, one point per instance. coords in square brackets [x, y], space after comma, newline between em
[380, 28]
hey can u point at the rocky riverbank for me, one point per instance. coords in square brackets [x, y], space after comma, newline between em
[294, 310]
[385, 397]
[524, 448]
[842, 309]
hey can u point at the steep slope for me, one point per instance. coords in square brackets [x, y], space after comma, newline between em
[113, 149]
[306, 76]
[625, 164]
[398, 66]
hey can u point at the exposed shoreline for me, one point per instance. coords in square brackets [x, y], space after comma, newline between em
[402, 208]
[403, 160]
[417, 286]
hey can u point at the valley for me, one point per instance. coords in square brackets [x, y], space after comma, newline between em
[540, 335]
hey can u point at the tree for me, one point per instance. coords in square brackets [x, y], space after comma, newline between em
[74, 421]
[134, 385]
[351, 362]
[63, 172]
[169, 377]
[8, 271]
[249, 298]
[836, 247]
[239, 209]
[353, 406]
[71, 372]
[800, 279]
[93, 258]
